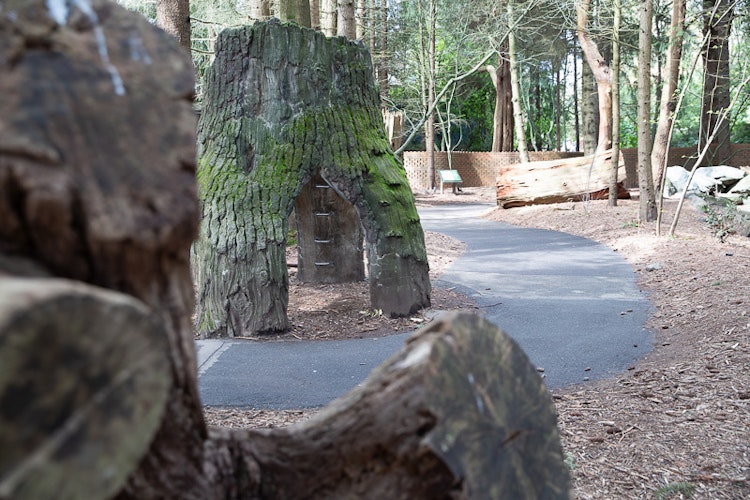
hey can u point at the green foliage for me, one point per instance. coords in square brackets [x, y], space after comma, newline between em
[721, 216]
[675, 490]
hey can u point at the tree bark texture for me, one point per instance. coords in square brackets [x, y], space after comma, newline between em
[647, 199]
[284, 104]
[717, 24]
[346, 25]
[602, 75]
[173, 16]
[589, 110]
[459, 413]
[669, 94]
[328, 16]
[95, 188]
[295, 10]
[502, 121]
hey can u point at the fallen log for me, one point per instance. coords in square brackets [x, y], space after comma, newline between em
[460, 412]
[84, 381]
[555, 181]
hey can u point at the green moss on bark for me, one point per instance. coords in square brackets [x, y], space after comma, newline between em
[283, 103]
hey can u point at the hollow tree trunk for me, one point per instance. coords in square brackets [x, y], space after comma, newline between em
[261, 140]
[329, 236]
[328, 229]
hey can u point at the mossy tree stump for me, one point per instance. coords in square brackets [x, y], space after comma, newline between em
[285, 104]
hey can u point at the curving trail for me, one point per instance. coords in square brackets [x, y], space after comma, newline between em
[571, 304]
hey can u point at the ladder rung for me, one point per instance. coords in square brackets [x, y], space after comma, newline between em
[322, 241]
[324, 263]
[322, 214]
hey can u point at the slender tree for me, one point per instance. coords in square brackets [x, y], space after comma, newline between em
[295, 10]
[614, 168]
[346, 24]
[502, 120]
[717, 23]
[173, 16]
[602, 75]
[647, 200]
[669, 94]
[518, 117]
[328, 16]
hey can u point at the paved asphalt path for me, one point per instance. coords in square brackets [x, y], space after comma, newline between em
[570, 303]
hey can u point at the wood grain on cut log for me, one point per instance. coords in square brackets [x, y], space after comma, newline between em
[84, 381]
[284, 104]
[459, 413]
[556, 181]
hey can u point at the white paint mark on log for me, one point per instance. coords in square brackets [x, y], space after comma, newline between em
[59, 10]
[417, 355]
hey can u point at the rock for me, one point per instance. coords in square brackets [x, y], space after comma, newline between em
[705, 179]
[654, 266]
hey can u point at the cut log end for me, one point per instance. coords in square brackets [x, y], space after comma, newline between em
[460, 412]
[84, 379]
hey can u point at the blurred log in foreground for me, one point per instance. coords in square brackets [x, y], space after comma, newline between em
[460, 412]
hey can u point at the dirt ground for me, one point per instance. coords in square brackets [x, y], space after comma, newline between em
[677, 423]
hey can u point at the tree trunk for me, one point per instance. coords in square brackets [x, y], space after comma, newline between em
[97, 184]
[361, 19]
[260, 10]
[614, 167]
[260, 142]
[328, 16]
[602, 75]
[717, 23]
[576, 112]
[173, 16]
[669, 95]
[295, 10]
[589, 110]
[315, 14]
[647, 200]
[382, 63]
[429, 125]
[558, 107]
[346, 24]
[518, 118]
